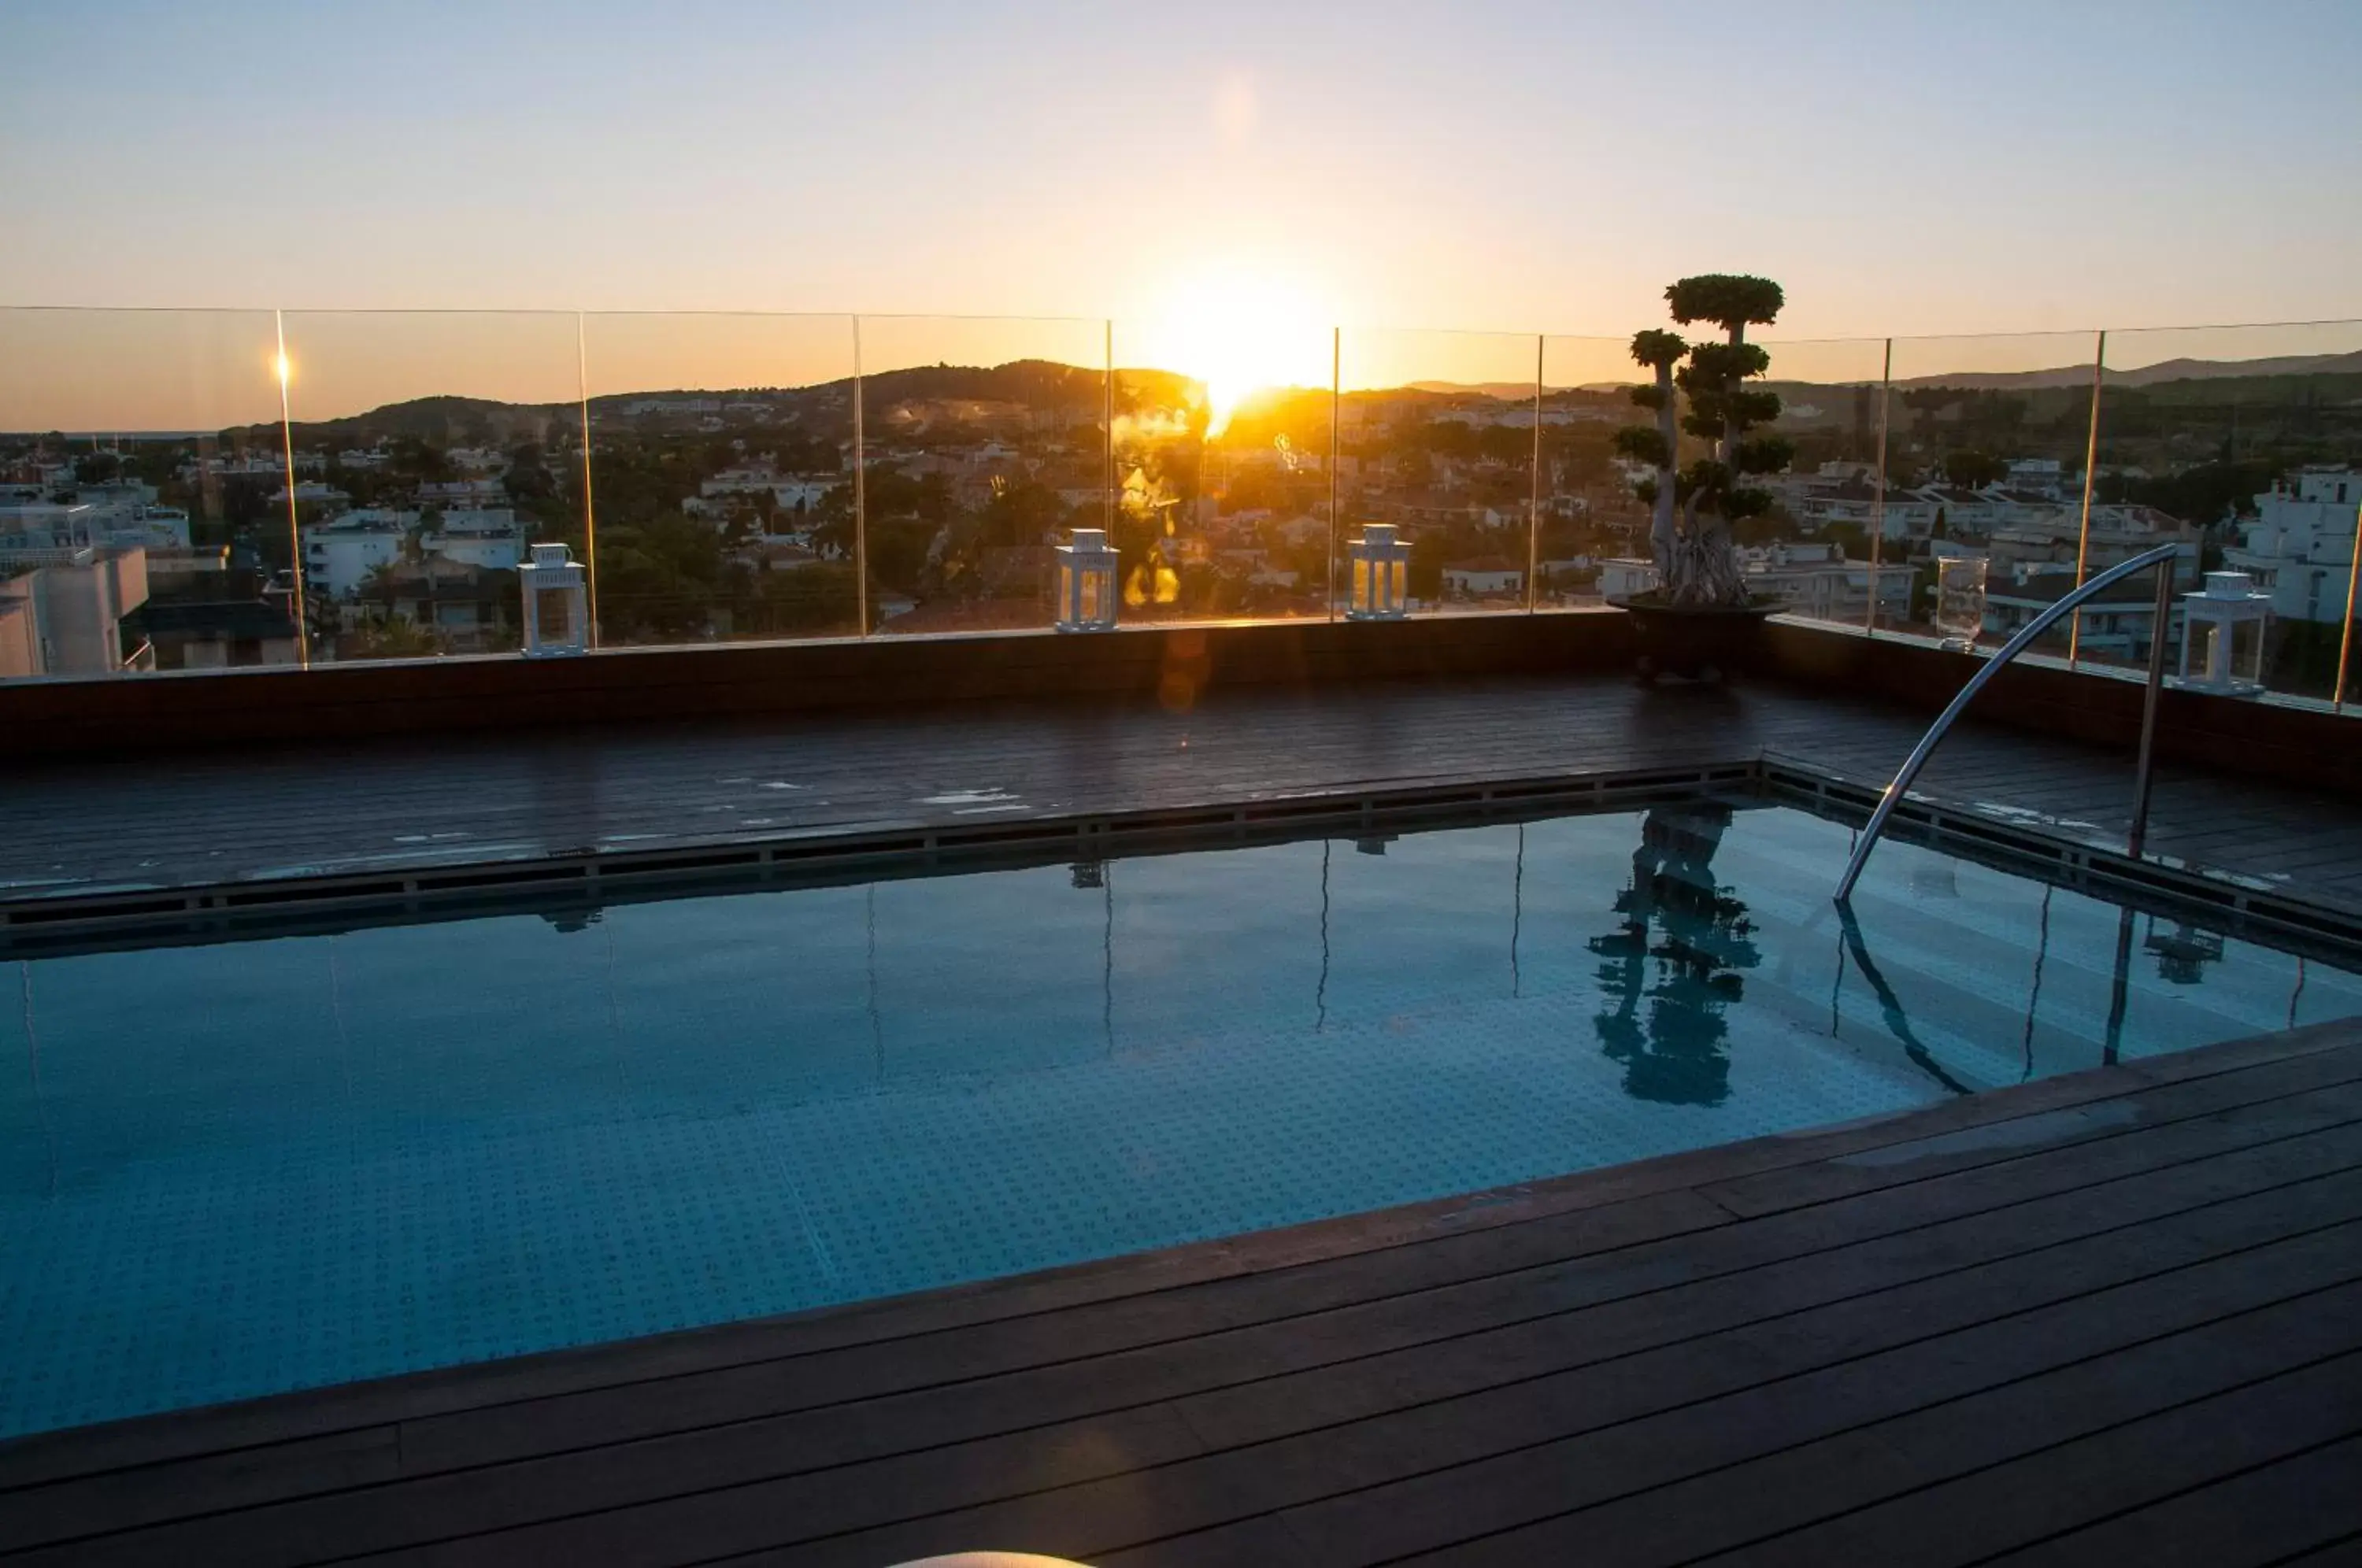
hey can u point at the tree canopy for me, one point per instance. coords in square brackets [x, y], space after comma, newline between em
[1700, 391]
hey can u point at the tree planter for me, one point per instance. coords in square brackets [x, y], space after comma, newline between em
[1701, 641]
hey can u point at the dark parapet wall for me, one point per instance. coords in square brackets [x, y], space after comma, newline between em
[2286, 742]
[1171, 665]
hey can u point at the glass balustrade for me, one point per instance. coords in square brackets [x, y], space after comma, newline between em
[433, 450]
[722, 476]
[1440, 440]
[1987, 439]
[984, 447]
[143, 494]
[220, 489]
[2240, 444]
[1594, 539]
[1224, 438]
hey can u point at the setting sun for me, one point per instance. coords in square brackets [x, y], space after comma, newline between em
[1237, 332]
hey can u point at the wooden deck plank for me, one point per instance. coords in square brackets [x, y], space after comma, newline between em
[415, 803]
[1097, 1519]
[1722, 1476]
[1739, 1505]
[2062, 1489]
[1291, 1374]
[2286, 1511]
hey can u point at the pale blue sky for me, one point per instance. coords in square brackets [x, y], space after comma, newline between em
[1900, 168]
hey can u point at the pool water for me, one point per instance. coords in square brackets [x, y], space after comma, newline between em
[239, 1168]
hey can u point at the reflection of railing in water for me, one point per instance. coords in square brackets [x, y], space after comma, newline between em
[2162, 558]
[1890, 1006]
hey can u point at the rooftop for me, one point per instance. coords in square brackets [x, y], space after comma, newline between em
[2097, 1308]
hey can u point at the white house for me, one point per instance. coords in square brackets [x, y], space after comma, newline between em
[490, 538]
[1489, 577]
[1814, 580]
[84, 524]
[2037, 476]
[2118, 624]
[65, 617]
[463, 493]
[340, 555]
[315, 494]
[2300, 549]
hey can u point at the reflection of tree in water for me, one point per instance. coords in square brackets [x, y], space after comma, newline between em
[2182, 955]
[1680, 941]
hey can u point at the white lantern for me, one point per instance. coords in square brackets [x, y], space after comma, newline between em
[557, 610]
[1381, 575]
[1959, 601]
[1086, 597]
[2228, 618]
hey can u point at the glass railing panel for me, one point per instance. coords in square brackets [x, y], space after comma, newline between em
[433, 450]
[984, 443]
[1986, 442]
[2244, 444]
[1438, 441]
[143, 471]
[1224, 432]
[1838, 542]
[722, 476]
[1595, 529]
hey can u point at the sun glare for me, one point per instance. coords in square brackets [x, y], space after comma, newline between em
[1238, 333]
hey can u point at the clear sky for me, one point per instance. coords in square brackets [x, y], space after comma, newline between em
[1900, 167]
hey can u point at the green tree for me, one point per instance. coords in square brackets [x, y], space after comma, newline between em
[1695, 506]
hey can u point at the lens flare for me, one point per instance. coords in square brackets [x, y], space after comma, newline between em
[1238, 331]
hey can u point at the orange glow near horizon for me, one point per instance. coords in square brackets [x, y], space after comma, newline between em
[1236, 331]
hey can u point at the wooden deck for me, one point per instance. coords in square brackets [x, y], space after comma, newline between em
[236, 816]
[2113, 1317]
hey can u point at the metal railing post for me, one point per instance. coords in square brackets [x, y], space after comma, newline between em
[2138, 834]
[1878, 500]
[1107, 413]
[2163, 555]
[860, 496]
[2090, 462]
[1534, 501]
[590, 515]
[294, 529]
[1336, 418]
[2346, 632]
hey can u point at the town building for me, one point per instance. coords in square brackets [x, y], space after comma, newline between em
[1486, 577]
[2300, 549]
[470, 609]
[490, 538]
[340, 555]
[1807, 579]
[216, 634]
[61, 612]
[2117, 624]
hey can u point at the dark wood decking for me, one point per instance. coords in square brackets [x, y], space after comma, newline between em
[2102, 1318]
[346, 809]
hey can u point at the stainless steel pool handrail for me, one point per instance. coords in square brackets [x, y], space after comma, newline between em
[2162, 556]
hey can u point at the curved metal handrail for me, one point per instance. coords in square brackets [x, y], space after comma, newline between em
[2161, 555]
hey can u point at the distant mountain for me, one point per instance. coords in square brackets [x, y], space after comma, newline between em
[1507, 390]
[2148, 375]
[1039, 383]
[439, 421]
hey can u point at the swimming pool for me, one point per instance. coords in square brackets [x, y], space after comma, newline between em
[233, 1169]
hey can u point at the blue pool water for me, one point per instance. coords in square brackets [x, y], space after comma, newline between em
[233, 1169]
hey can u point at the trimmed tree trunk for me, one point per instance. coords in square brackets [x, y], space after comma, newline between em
[1661, 538]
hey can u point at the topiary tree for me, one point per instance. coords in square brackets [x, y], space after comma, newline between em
[1693, 506]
